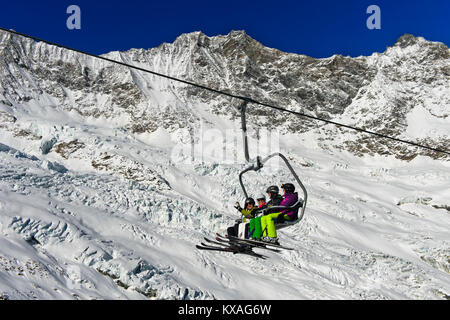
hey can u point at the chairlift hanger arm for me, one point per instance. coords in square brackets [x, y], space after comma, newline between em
[259, 163]
[243, 108]
[255, 167]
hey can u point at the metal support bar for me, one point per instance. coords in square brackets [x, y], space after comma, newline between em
[244, 130]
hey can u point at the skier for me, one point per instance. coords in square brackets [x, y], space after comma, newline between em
[268, 221]
[255, 223]
[248, 212]
[274, 196]
[261, 201]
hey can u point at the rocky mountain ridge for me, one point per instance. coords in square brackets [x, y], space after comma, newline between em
[376, 93]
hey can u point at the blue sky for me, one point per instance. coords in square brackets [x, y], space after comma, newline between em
[317, 28]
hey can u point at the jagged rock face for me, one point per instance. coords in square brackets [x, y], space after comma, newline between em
[239, 64]
[377, 93]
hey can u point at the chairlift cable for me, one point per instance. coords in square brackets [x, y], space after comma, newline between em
[231, 95]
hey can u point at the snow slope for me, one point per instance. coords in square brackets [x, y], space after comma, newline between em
[373, 229]
[92, 209]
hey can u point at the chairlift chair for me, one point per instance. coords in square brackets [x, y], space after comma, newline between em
[258, 164]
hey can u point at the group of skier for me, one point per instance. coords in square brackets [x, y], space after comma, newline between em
[254, 224]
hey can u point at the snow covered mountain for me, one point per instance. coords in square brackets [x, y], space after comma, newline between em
[109, 176]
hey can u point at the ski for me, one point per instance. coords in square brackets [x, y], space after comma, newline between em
[221, 243]
[216, 247]
[224, 241]
[257, 243]
[260, 243]
[207, 247]
[234, 251]
[240, 247]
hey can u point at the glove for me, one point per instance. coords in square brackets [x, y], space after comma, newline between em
[238, 206]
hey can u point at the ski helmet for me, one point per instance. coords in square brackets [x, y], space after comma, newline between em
[249, 201]
[288, 187]
[261, 197]
[273, 189]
